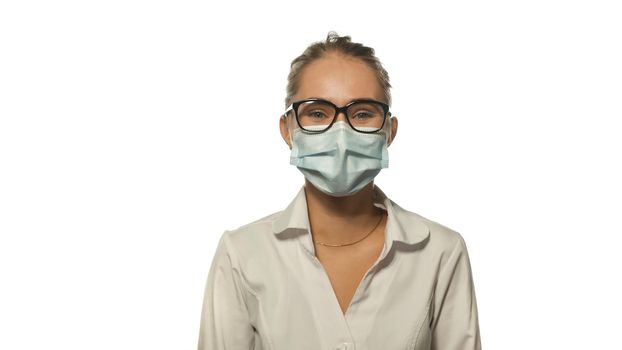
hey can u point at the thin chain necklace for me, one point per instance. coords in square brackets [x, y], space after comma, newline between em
[341, 245]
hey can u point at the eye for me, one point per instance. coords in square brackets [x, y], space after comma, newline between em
[363, 115]
[316, 114]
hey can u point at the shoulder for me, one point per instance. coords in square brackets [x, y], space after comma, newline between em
[254, 250]
[443, 235]
[441, 238]
[444, 246]
[252, 237]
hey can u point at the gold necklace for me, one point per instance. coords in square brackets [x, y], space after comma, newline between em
[341, 245]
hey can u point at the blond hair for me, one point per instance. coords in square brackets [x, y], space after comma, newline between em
[344, 46]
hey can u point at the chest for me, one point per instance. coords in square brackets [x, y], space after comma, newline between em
[296, 300]
[346, 268]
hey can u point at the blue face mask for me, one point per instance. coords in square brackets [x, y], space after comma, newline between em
[339, 161]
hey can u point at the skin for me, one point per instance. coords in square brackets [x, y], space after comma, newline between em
[338, 220]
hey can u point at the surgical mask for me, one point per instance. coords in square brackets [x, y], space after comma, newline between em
[340, 161]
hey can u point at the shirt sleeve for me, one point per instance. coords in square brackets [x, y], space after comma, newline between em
[225, 321]
[455, 324]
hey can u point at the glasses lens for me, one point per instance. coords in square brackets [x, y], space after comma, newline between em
[366, 116]
[314, 114]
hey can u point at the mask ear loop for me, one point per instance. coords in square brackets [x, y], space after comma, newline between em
[289, 124]
[387, 129]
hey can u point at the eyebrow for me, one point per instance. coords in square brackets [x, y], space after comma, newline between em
[358, 98]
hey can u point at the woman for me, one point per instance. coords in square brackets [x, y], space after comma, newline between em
[342, 267]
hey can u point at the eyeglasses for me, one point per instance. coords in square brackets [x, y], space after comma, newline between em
[316, 115]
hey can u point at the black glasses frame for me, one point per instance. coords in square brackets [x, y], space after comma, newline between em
[294, 106]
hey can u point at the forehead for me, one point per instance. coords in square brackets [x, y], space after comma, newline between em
[338, 79]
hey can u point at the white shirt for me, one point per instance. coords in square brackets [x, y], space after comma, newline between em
[267, 290]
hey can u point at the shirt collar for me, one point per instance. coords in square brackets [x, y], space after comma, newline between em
[401, 226]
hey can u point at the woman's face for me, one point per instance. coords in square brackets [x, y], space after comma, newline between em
[339, 80]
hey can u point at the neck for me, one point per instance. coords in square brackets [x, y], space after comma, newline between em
[360, 203]
[341, 219]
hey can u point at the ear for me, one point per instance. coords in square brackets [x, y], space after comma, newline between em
[284, 130]
[393, 126]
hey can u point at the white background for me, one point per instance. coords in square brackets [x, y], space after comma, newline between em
[133, 133]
